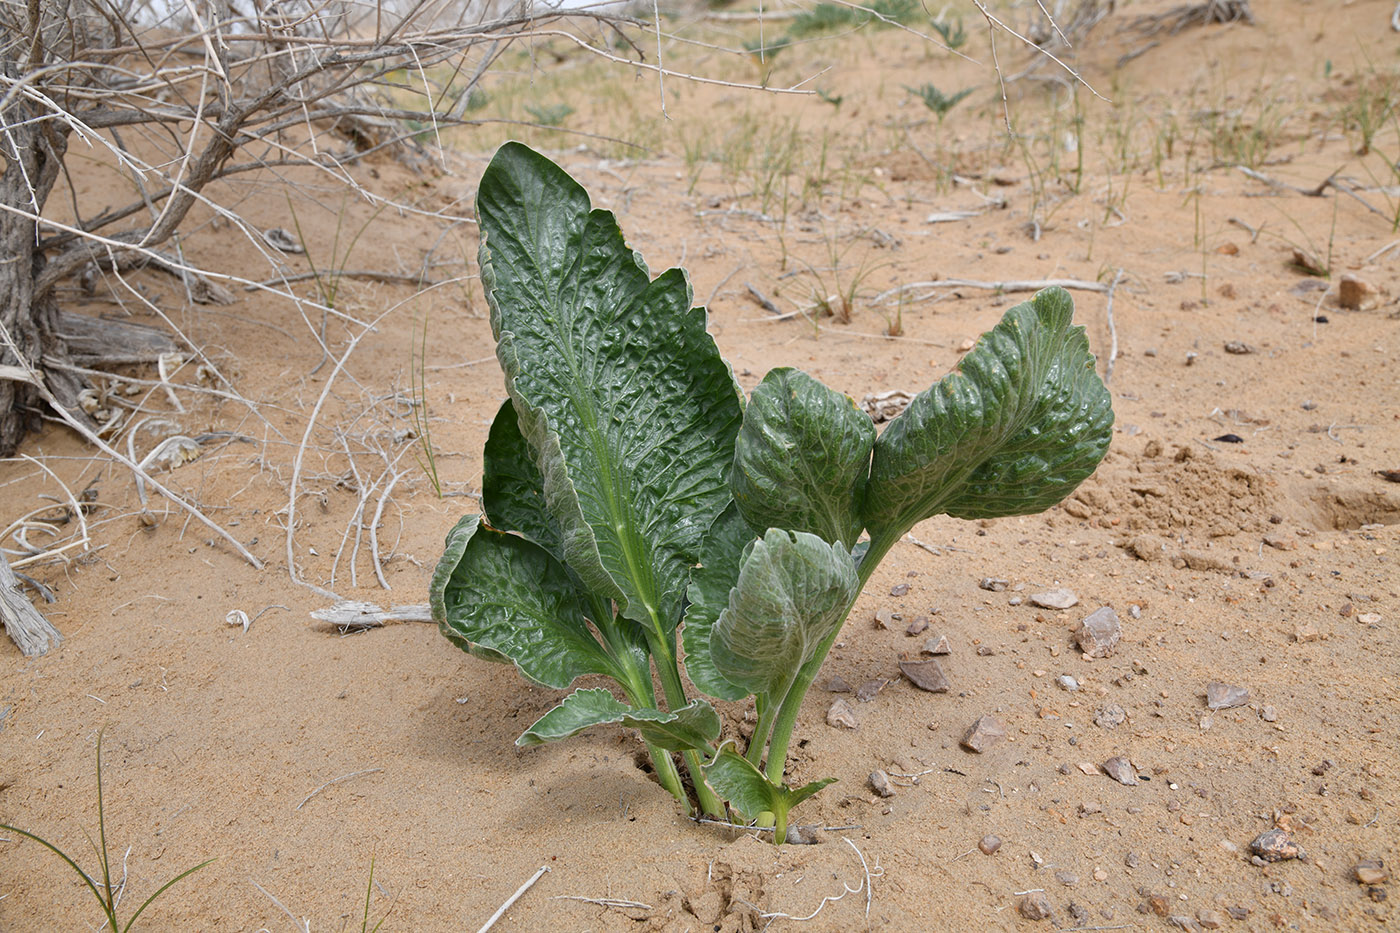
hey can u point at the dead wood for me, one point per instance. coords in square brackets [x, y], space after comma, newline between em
[93, 341]
[25, 625]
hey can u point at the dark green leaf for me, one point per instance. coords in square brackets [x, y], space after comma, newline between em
[694, 726]
[512, 489]
[747, 790]
[1021, 423]
[802, 458]
[794, 590]
[618, 388]
[721, 555]
[502, 597]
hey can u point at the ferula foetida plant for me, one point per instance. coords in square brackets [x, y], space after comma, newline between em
[641, 517]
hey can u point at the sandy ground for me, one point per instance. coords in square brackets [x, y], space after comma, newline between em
[1267, 563]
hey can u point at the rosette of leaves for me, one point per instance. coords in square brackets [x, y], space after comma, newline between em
[639, 515]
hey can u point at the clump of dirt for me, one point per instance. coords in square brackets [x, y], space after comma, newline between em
[1182, 493]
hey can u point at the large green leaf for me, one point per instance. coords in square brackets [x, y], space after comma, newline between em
[618, 388]
[794, 590]
[747, 790]
[693, 726]
[721, 556]
[504, 598]
[512, 489]
[802, 458]
[1021, 422]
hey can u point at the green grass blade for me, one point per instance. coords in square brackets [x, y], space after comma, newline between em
[159, 891]
[92, 885]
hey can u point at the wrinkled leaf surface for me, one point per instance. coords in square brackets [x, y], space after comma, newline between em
[802, 458]
[721, 555]
[1021, 422]
[693, 726]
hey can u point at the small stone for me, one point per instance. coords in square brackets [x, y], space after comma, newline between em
[1111, 717]
[1121, 770]
[1225, 696]
[1055, 599]
[1369, 618]
[899, 589]
[1131, 860]
[803, 835]
[983, 734]
[1209, 919]
[1371, 871]
[1089, 768]
[1067, 878]
[1275, 845]
[884, 618]
[1183, 922]
[870, 690]
[917, 627]
[1268, 714]
[841, 716]
[880, 783]
[1090, 807]
[1067, 682]
[1357, 294]
[985, 651]
[1238, 913]
[1035, 906]
[1100, 875]
[1099, 633]
[1156, 904]
[1281, 542]
[837, 684]
[1238, 347]
[1305, 633]
[989, 844]
[926, 675]
[993, 584]
[937, 645]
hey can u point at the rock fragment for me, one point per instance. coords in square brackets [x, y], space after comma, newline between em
[937, 645]
[1067, 878]
[986, 732]
[1055, 599]
[837, 684]
[1111, 717]
[1225, 696]
[1371, 871]
[1067, 682]
[1183, 922]
[870, 690]
[1121, 770]
[880, 783]
[1275, 845]
[926, 675]
[917, 627]
[993, 584]
[1357, 294]
[1210, 919]
[1098, 634]
[1268, 714]
[989, 844]
[885, 619]
[1035, 906]
[841, 716]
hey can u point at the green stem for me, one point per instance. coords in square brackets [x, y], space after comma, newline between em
[637, 685]
[767, 712]
[792, 703]
[780, 824]
[665, 653]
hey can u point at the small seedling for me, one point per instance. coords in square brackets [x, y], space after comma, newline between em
[936, 100]
[954, 35]
[636, 502]
[109, 895]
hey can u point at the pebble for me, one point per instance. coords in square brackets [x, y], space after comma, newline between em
[917, 627]
[1055, 599]
[1369, 618]
[1067, 682]
[1305, 633]
[1131, 860]
[1121, 770]
[986, 732]
[1268, 714]
[989, 844]
[1357, 294]
[926, 675]
[837, 684]
[884, 619]
[1035, 906]
[993, 584]
[870, 690]
[1371, 871]
[1238, 913]
[1100, 875]
[1238, 347]
[880, 783]
[937, 645]
[1275, 845]
[1209, 919]
[1090, 807]
[899, 589]
[841, 715]
[1067, 878]
[1225, 696]
[1111, 717]
[1183, 922]
[1099, 633]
